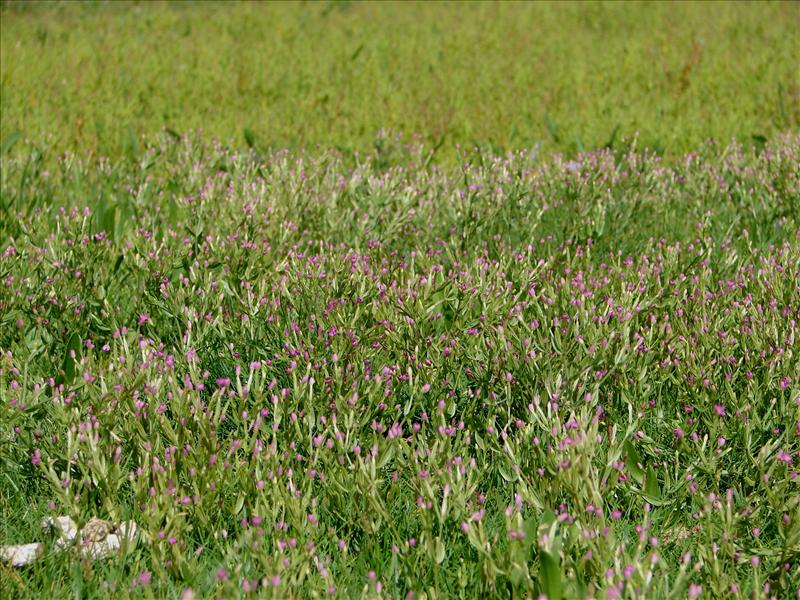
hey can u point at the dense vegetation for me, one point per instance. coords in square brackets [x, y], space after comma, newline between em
[567, 76]
[543, 342]
[518, 374]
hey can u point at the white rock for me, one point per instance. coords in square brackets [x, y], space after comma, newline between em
[21, 554]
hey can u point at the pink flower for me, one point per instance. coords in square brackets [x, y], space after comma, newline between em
[695, 590]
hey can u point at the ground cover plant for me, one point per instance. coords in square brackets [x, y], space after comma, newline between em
[523, 352]
[309, 374]
[93, 77]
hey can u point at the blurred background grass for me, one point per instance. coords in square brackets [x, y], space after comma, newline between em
[567, 76]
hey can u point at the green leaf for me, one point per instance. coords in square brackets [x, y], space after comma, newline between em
[74, 344]
[386, 456]
[551, 127]
[105, 217]
[632, 461]
[580, 588]
[517, 575]
[548, 518]
[550, 574]
[131, 143]
[10, 140]
[173, 212]
[249, 137]
[651, 484]
[508, 475]
[439, 552]
[612, 139]
[530, 527]
[124, 218]
[358, 51]
[759, 141]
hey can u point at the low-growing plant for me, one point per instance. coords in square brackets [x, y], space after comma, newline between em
[306, 376]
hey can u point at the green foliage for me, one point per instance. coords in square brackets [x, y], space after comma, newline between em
[371, 375]
[569, 76]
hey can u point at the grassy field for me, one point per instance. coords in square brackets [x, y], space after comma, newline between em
[566, 76]
[308, 379]
[391, 301]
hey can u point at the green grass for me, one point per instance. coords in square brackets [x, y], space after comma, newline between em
[593, 363]
[95, 77]
[472, 272]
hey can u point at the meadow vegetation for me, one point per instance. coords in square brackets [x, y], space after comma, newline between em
[311, 358]
[568, 77]
[366, 381]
